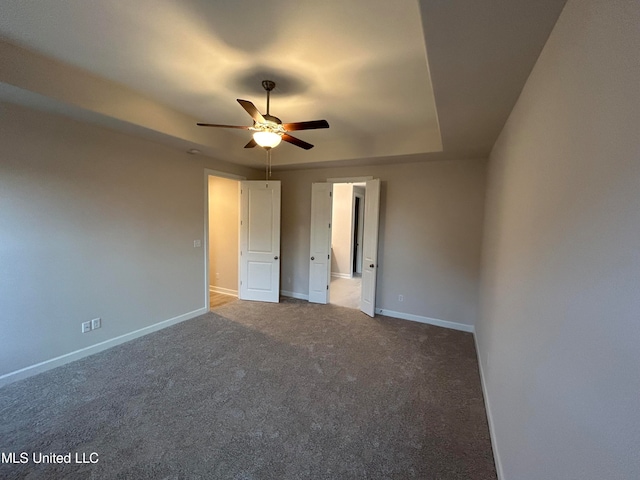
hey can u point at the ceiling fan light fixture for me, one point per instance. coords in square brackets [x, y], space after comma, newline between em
[267, 139]
[268, 130]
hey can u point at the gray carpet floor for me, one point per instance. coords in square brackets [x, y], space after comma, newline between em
[260, 391]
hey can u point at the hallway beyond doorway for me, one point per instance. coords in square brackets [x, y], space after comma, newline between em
[345, 292]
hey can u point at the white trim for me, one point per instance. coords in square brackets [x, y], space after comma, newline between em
[299, 296]
[223, 291]
[360, 238]
[98, 347]
[487, 407]
[350, 179]
[218, 173]
[431, 321]
[341, 275]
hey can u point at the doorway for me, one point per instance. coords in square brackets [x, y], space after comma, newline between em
[345, 288]
[223, 211]
[325, 249]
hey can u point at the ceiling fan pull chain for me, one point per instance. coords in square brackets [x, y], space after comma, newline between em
[268, 164]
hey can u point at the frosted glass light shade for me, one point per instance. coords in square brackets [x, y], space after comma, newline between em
[267, 139]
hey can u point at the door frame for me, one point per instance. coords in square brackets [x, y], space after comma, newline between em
[214, 173]
[357, 236]
[350, 179]
[360, 179]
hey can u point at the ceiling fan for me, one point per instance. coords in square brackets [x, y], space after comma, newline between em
[268, 130]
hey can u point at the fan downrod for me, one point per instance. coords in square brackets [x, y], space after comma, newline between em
[268, 85]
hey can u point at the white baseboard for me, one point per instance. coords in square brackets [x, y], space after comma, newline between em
[487, 406]
[341, 275]
[98, 347]
[223, 291]
[299, 296]
[431, 321]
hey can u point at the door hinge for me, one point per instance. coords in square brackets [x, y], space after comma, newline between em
[240, 252]
[330, 193]
[328, 257]
[329, 225]
[327, 287]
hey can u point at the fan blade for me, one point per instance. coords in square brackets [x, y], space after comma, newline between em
[252, 110]
[297, 142]
[223, 126]
[312, 125]
[252, 143]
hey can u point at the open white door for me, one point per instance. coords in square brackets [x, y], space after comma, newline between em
[320, 248]
[370, 247]
[260, 241]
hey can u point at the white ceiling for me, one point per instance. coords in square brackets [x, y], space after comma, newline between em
[155, 67]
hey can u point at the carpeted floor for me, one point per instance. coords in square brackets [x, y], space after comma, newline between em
[260, 391]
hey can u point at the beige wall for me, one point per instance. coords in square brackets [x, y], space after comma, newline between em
[223, 234]
[93, 223]
[341, 233]
[559, 333]
[430, 233]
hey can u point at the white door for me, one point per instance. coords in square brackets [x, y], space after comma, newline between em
[320, 248]
[260, 241]
[370, 247]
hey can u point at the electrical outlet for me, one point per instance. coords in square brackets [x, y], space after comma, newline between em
[86, 327]
[96, 323]
[401, 298]
[197, 243]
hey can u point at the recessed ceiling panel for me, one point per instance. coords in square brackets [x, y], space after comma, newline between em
[360, 64]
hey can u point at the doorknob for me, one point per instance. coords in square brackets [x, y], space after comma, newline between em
[371, 266]
[275, 258]
[313, 258]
